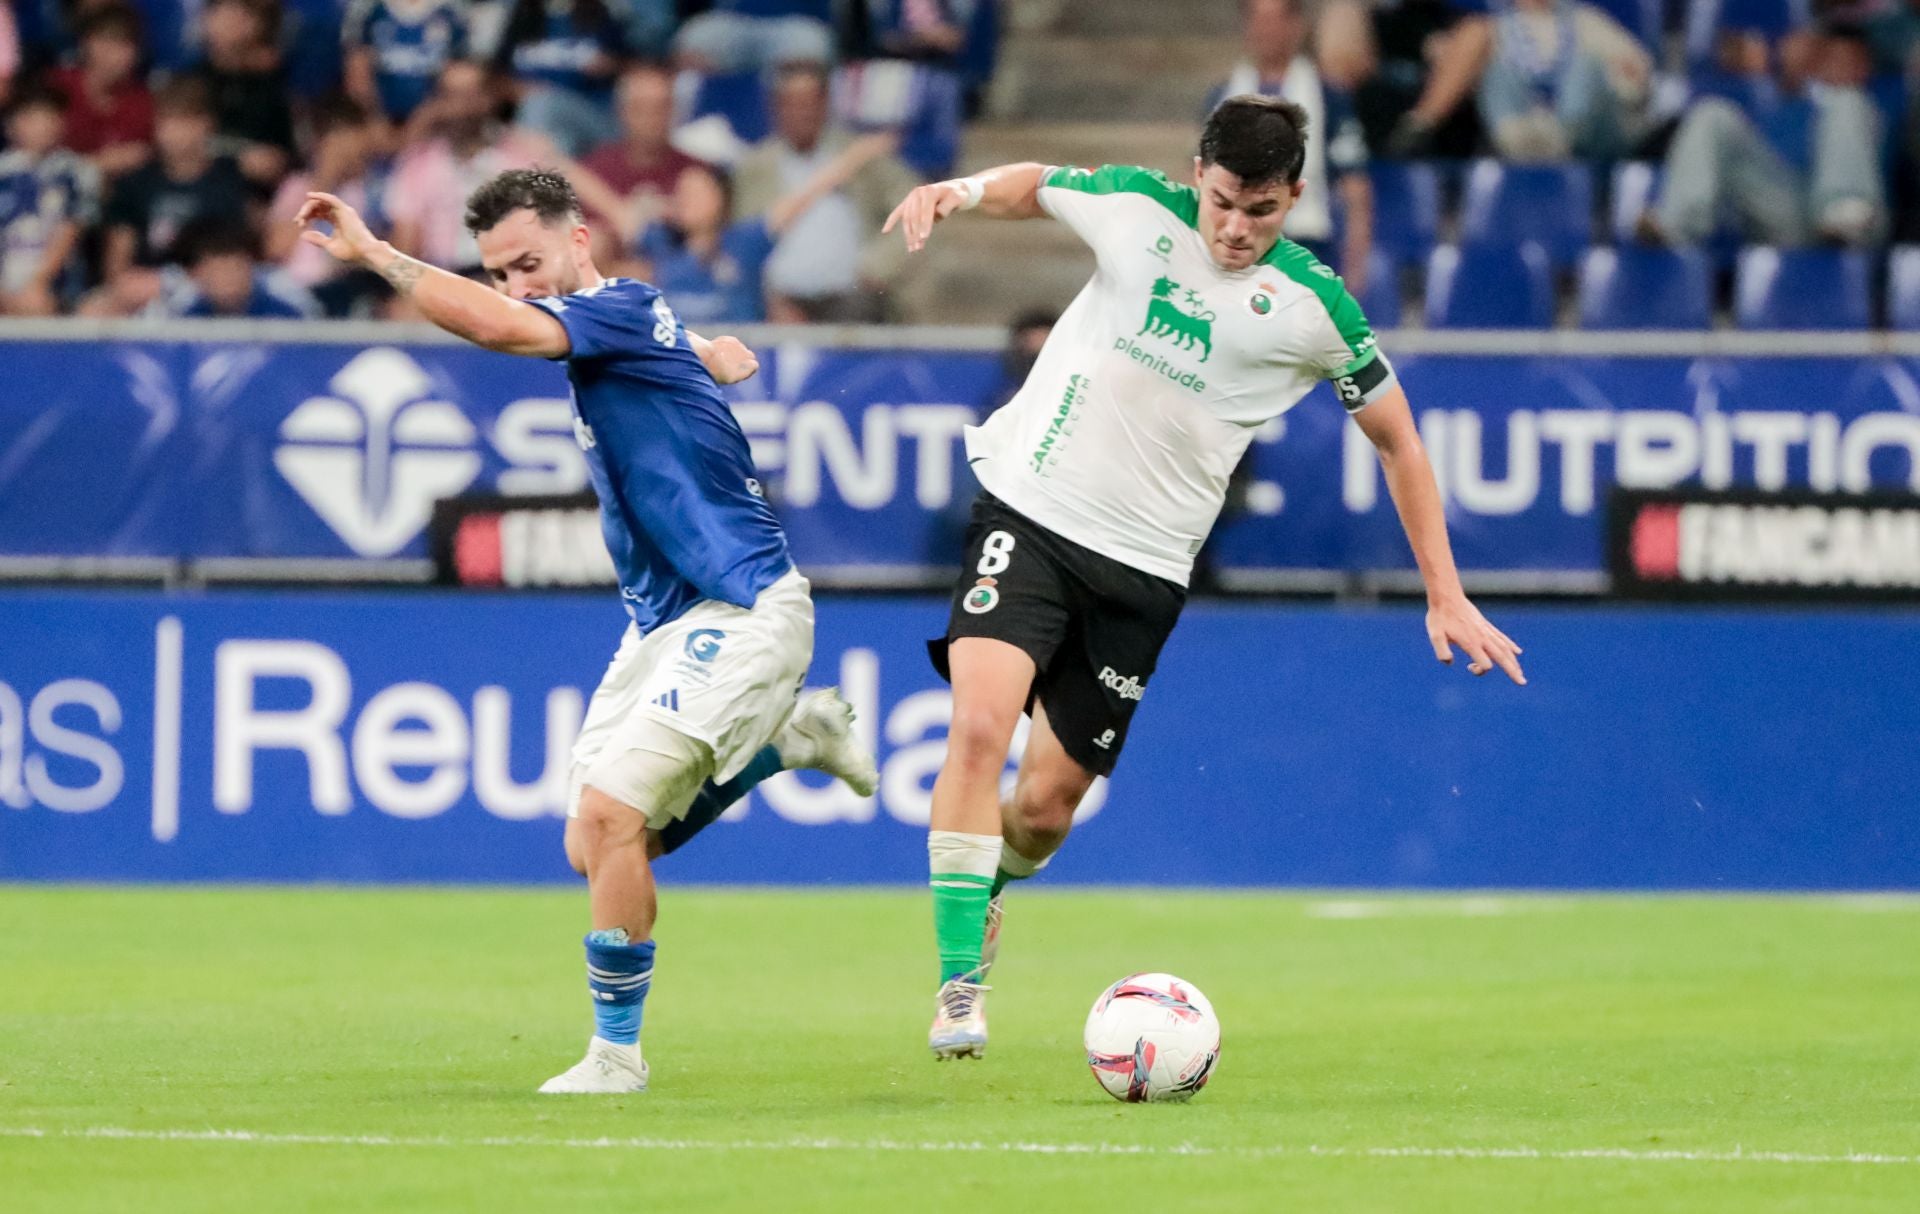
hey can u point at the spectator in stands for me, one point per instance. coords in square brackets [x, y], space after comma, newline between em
[830, 263]
[748, 35]
[1791, 166]
[459, 143]
[1026, 336]
[396, 50]
[642, 162]
[224, 278]
[708, 264]
[563, 56]
[1411, 67]
[48, 195]
[933, 31]
[186, 180]
[248, 85]
[9, 52]
[109, 108]
[1275, 34]
[345, 141]
[1565, 80]
[906, 75]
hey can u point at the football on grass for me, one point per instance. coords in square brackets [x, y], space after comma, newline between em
[1152, 1037]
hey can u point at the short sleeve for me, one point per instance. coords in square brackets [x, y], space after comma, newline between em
[1089, 200]
[1359, 372]
[619, 317]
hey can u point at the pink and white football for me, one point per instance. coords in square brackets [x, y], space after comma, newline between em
[1152, 1037]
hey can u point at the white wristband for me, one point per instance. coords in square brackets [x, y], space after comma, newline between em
[972, 190]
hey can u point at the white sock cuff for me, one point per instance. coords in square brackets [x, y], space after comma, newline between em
[950, 851]
[1018, 866]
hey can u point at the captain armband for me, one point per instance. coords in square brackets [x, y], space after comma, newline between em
[1363, 382]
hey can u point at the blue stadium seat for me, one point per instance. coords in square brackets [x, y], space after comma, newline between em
[1490, 287]
[1802, 289]
[1638, 288]
[1548, 203]
[1381, 298]
[740, 98]
[1903, 288]
[1406, 208]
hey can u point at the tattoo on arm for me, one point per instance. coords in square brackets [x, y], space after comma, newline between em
[403, 272]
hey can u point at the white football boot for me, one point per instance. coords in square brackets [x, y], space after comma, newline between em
[607, 1069]
[960, 1018]
[819, 737]
[990, 946]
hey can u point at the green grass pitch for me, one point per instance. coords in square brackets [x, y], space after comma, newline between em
[379, 1051]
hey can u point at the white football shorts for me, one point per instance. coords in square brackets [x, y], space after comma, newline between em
[725, 677]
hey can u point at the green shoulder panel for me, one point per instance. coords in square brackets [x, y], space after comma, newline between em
[1310, 272]
[1129, 179]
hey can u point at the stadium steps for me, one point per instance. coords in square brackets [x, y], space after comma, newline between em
[1114, 79]
[982, 272]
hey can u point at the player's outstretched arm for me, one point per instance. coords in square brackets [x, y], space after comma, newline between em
[1011, 191]
[1452, 619]
[459, 305]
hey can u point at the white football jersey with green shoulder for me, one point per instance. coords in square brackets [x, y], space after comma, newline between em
[1154, 380]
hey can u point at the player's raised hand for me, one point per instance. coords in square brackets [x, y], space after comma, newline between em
[350, 241]
[729, 361]
[921, 209]
[1457, 621]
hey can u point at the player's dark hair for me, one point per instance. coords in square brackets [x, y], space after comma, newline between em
[1260, 140]
[544, 192]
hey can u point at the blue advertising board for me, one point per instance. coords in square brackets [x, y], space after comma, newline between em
[212, 450]
[423, 737]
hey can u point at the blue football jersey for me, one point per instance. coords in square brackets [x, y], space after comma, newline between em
[680, 506]
[411, 41]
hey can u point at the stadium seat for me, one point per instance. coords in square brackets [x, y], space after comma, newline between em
[1490, 287]
[1903, 288]
[1802, 289]
[1406, 208]
[1548, 203]
[1638, 288]
[1381, 298]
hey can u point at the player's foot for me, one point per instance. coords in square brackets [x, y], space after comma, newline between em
[607, 1068]
[990, 947]
[819, 737]
[960, 1018]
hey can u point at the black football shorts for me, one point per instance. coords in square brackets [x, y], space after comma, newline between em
[1093, 626]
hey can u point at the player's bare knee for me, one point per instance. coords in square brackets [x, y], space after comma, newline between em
[978, 737]
[606, 824]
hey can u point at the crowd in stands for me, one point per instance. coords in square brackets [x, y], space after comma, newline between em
[1616, 163]
[741, 152]
[1473, 162]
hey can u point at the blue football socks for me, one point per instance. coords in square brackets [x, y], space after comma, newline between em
[618, 974]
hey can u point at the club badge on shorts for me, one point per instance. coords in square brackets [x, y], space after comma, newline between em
[984, 597]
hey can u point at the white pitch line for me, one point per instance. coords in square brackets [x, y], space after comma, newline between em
[1615, 1154]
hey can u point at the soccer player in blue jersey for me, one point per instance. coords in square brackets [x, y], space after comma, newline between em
[698, 704]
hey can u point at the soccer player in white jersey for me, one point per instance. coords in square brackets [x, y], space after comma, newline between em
[698, 704]
[1104, 474]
